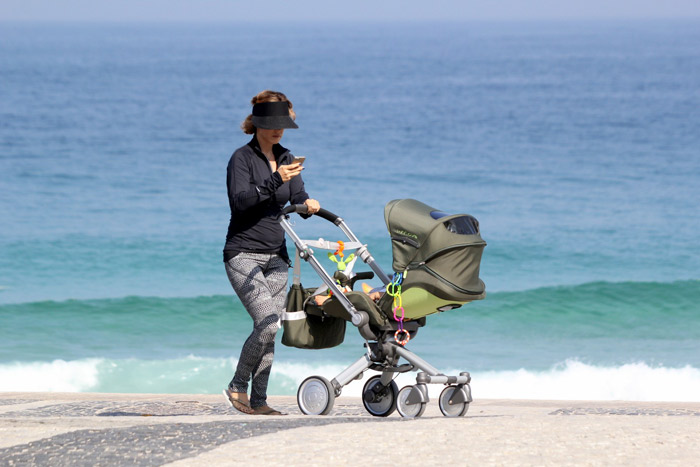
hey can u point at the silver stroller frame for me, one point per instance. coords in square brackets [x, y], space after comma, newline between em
[380, 395]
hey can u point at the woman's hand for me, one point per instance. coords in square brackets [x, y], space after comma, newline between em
[289, 171]
[312, 206]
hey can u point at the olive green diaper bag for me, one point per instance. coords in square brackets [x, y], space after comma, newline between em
[304, 325]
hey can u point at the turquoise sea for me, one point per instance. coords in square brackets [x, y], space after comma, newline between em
[575, 144]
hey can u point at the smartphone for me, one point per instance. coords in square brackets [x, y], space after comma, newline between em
[299, 160]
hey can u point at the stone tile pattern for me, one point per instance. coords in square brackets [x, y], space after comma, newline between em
[157, 409]
[153, 444]
[147, 445]
[13, 401]
[628, 411]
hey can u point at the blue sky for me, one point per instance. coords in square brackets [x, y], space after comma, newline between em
[328, 10]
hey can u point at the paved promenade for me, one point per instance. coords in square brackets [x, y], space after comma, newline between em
[201, 430]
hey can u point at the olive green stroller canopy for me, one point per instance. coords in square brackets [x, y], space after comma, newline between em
[439, 255]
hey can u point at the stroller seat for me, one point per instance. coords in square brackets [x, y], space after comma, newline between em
[381, 316]
[333, 307]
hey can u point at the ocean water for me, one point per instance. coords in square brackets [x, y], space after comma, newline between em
[575, 144]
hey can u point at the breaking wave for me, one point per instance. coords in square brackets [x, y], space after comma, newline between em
[570, 380]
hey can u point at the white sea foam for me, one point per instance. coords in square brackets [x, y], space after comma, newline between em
[574, 380]
[56, 376]
[571, 380]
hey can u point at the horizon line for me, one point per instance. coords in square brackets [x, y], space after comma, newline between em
[562, 19]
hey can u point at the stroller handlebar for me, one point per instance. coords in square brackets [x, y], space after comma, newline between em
[301, 209]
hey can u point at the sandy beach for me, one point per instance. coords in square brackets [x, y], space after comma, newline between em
[142, 429]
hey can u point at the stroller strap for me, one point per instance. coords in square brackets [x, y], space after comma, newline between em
[296, 274]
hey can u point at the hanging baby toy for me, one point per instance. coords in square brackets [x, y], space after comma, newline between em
[343, 265]
[401, 336]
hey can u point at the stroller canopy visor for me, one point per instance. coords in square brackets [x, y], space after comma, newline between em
[419, 232]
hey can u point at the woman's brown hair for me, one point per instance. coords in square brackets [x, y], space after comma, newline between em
[265, 96]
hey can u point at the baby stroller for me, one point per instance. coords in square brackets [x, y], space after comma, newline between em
[436, 258]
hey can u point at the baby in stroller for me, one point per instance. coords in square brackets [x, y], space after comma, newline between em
[436, 259]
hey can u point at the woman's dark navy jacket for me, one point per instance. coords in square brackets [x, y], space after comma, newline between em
[256, 196]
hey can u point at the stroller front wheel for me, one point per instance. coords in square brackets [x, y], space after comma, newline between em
[456, 409]
[408, 408]
[315, 396]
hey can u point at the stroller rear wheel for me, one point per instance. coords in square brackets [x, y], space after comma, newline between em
[379, 400]
[315, 396]
[456, 409]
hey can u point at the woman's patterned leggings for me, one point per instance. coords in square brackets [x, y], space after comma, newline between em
[260, 281]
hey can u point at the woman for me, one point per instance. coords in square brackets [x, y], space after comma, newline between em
[261, 179]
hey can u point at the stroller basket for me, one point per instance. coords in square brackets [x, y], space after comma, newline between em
[310, 329]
